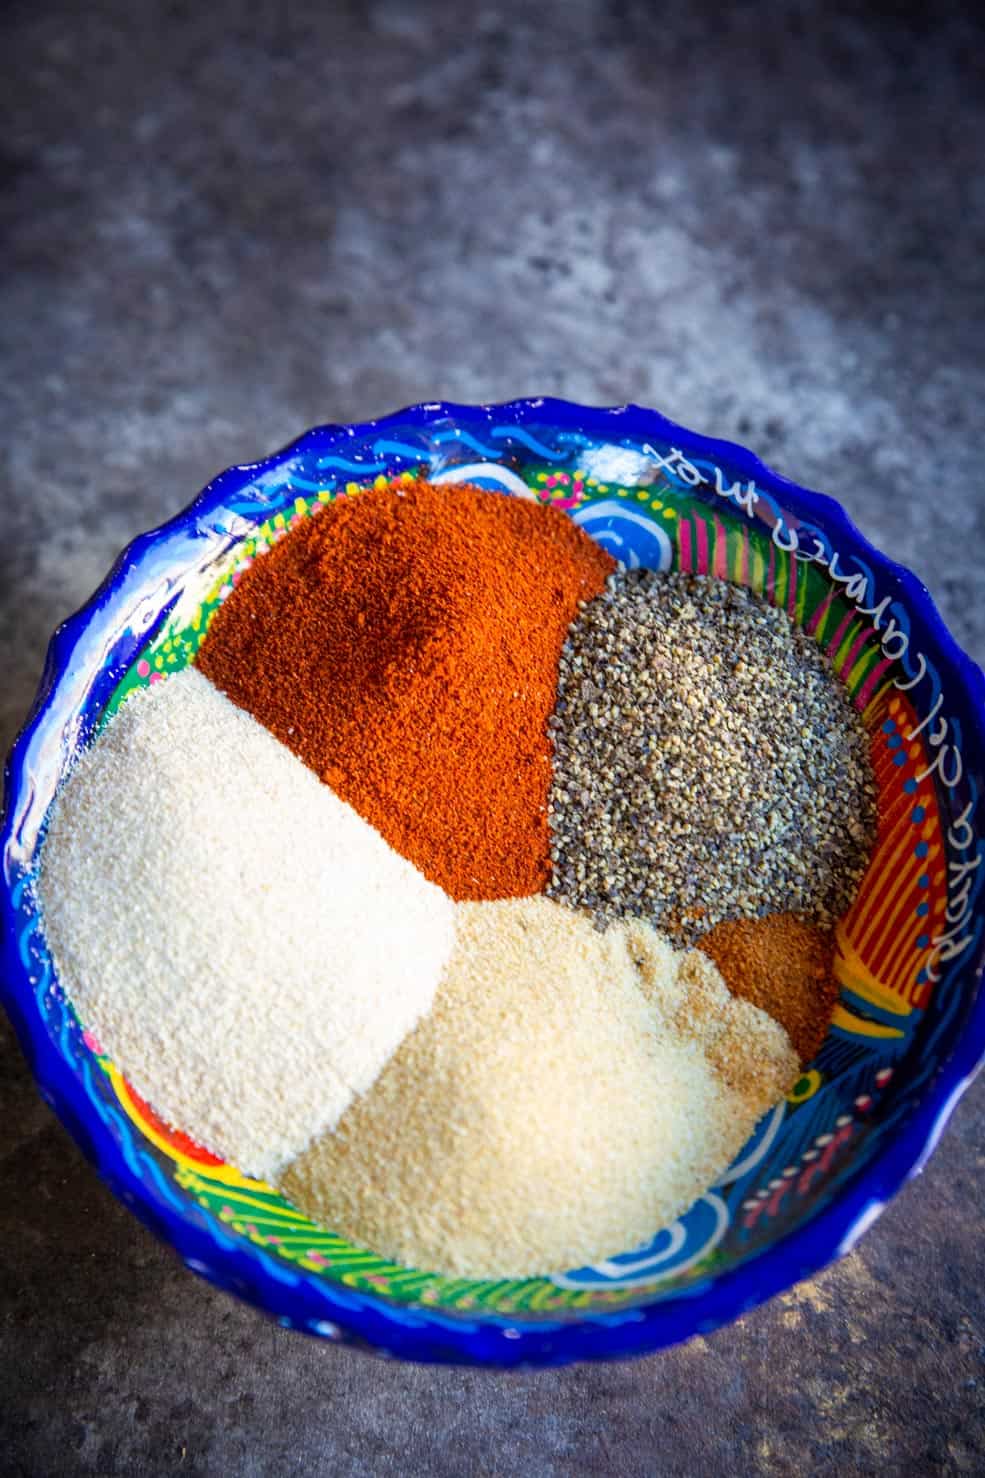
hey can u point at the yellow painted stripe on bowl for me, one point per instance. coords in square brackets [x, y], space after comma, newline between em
[852, 972]
[859, 1028]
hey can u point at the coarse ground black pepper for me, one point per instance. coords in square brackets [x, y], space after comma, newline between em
[707, 762]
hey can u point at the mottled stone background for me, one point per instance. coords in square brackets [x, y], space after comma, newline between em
[225, 222]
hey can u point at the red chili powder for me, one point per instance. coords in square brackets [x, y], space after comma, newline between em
[405, 644]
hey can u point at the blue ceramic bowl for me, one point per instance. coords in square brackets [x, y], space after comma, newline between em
[909, 1030]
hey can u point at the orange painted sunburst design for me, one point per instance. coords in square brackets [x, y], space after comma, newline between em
[886, 939]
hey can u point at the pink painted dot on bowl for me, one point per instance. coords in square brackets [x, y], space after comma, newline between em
[156, 677]
[92, 1043]
[143, 667]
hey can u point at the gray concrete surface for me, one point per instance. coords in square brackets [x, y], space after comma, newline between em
[226, 222]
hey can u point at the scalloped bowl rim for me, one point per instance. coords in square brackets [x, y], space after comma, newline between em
[419, 1334]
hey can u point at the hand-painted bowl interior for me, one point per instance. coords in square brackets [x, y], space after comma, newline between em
[908, 1029]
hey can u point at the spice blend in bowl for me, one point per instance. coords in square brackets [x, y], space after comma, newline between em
[785, 719]
[407, 646]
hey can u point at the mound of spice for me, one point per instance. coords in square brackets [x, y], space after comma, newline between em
[243, 946]
[707, 762]
[569, 1093]
[405, 645]
[784, 966]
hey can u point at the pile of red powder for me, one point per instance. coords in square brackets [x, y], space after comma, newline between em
[405, 645]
